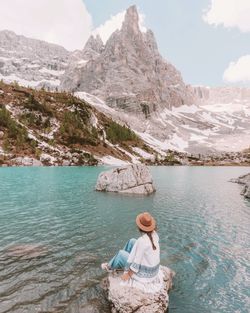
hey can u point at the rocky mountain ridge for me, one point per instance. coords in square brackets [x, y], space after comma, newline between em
[31, 62]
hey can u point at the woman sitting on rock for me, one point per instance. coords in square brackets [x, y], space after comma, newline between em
[140, 259]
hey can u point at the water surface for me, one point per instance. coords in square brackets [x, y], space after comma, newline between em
[203, 223]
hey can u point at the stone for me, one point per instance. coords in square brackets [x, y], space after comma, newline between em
[129, 300]
[26, 251]
[245, 181]
[131, 179]
[26, 161]
[47, 159]
[66, 163]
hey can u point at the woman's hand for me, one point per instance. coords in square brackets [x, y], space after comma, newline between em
[126, 276]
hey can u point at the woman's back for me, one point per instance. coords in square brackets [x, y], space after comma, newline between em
[144, 260]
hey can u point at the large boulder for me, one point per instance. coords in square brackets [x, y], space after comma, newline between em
[129, 300]
[131, 179]
[245, 181]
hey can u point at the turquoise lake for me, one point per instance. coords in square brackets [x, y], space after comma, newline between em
[203, 224]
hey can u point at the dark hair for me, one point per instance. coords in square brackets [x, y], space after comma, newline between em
[149, 233]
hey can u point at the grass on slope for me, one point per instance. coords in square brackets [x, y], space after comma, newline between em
[15, 136]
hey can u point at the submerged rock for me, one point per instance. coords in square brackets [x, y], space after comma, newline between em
[130, 300]
[26, 251]
[245, 181]
[131, 179]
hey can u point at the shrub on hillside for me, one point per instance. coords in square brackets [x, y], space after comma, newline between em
[15, 132]
[34, 105]
[117, 133]
[75, 130]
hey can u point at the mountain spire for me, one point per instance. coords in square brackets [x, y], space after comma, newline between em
[131, 20]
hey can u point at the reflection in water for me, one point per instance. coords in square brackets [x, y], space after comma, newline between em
[55, 231]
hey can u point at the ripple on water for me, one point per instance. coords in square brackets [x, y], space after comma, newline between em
[55, 231]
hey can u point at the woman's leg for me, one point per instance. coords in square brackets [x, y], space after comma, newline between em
[129, 245]
[119, 261]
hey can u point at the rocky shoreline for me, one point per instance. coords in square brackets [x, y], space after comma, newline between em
[245, 181]
[47, 161]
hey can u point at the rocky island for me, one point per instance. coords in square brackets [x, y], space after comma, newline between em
[132, 179]
[131, 300]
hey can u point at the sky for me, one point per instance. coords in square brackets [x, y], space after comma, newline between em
[208, 41]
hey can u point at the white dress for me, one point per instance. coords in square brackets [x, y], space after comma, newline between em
[144, 261]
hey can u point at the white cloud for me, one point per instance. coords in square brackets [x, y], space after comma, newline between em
[239, 71]
[115, 23]
[64, 22]
[229, 13]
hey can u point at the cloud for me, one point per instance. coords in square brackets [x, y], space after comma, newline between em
[64, 22]
[239, 71]
[115, 23]
[229, 13]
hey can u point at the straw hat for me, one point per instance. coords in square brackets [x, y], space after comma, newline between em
[145, 222]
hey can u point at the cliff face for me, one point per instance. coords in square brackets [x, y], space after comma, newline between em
[129, 73]
[223, 95]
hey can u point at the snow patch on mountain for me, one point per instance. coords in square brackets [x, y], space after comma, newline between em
[109, 160]
[30, 83]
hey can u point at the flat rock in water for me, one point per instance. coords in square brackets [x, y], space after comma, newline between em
[130, 300]
[245, 181]
[131, 179]
[26, 251]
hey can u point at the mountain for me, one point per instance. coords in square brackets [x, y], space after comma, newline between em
[149, 95]
[129, 73]
[31, 62]
[128, 81]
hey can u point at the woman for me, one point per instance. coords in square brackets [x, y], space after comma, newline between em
[140, 259]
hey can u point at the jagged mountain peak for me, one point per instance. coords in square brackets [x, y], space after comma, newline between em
[94, 43]
[129, 73]
[131, 20]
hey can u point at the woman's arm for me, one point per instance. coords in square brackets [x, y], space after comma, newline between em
[127, 275]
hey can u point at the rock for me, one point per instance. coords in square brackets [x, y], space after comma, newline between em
[66, 163]
[129, 300]
[131, 179]
[1, 134]
[25, 161]
[245, 181]
[26, 251]
[47, 159]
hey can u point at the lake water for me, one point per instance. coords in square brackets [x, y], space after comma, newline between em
[203, 223]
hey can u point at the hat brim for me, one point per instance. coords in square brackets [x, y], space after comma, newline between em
[143, 227]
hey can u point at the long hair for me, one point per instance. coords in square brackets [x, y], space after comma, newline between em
[149, 233]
